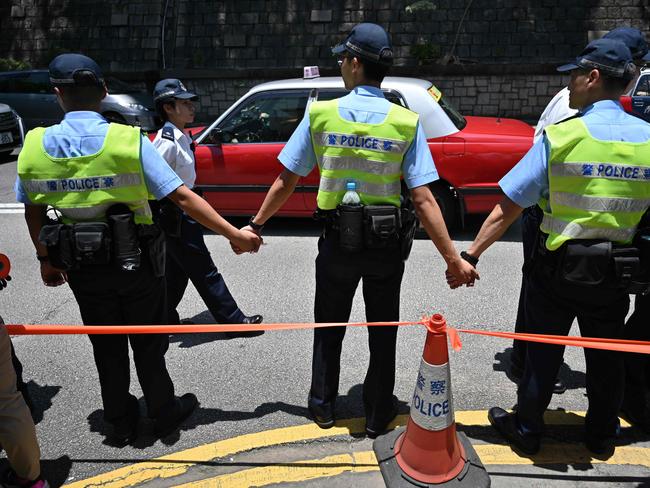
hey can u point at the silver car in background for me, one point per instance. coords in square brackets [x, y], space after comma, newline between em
[31, 95]
[12, 132]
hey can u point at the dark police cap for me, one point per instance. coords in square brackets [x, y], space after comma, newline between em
[610, 56]
[73, 69]
[171, 88]
[368, 41]
[633, 39]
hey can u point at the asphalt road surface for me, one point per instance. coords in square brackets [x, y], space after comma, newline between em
[248, 386]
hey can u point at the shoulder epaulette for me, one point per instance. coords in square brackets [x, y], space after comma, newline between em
[167, 133]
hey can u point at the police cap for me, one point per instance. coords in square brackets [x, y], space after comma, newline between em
[368, 41]
[610, 56]
[633, 39]
[72, 69]
[171, 88]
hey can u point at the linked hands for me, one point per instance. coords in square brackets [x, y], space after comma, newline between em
[459, 272]
[247, 240]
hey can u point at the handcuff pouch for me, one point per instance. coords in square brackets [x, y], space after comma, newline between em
[92, 243]
[382, 226]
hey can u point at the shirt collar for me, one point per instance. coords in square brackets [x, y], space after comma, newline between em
[602, 105]
[368, 91]
[83, 114]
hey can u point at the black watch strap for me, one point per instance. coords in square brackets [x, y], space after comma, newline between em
[254, 226]
[469, 258]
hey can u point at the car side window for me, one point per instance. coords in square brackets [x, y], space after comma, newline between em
[642, 87]
[391, 95]
[264, 117]
[38, 82]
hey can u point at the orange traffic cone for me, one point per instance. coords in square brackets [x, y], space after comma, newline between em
[430, 452]
[5, 266]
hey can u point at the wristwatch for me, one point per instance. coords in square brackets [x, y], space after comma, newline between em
[254, 226]
[469, 258]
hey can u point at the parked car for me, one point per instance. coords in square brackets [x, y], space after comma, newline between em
[31, 95]
[236, 155]
[637, 101]
[11, 132]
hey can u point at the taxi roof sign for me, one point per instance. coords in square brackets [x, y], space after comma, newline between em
[310, 72]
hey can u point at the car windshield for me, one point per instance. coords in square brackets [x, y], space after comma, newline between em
[451, 111]
[116, 86]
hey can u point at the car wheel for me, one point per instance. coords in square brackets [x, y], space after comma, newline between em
[114, 117]
[447, 203]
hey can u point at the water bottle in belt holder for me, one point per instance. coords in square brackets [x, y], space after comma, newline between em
[351, 220]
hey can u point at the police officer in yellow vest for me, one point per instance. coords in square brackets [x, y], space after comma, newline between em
[590, 174]
[99, 176]
[364, 143]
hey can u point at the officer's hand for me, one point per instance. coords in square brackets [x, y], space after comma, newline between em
[3, 282]
[52, 276]
[246, 241]
[460, 272]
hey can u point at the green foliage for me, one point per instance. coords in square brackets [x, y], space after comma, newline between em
[425, 52]
[11, 64]
[419, 6]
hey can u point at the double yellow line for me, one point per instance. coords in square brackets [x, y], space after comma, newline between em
[179, 463]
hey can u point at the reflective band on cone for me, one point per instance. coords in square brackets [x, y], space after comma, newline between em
[430, 451]
[5, 266]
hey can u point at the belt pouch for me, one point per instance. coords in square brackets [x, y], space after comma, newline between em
[125, 243]
[586, 262]
[153, 241]
[170, 218]
[58, 240]
[92, 243]
[351, 228]
[381, 226]
[407, 232]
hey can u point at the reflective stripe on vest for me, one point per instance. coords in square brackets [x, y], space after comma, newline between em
[369, 154]
[112, 175]
[597, 189]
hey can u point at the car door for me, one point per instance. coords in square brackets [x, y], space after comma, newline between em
[641, 97]
[237, 161]
[30, 94]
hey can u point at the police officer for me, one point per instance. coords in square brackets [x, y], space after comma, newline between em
[187, 255]
[365, 138]
[557, 110]
[98, 176]
[588, 174]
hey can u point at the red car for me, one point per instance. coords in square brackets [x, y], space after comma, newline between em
[236, 156]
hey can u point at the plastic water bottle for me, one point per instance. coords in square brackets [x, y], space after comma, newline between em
[351, 196]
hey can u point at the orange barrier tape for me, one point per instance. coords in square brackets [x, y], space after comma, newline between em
[5, 266]
[433, 324]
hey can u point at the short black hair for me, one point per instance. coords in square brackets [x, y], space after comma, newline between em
[86, 92]
[373, 71]
[160, 107]
[614, 83]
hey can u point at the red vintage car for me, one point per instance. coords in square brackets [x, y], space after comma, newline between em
[236, 155]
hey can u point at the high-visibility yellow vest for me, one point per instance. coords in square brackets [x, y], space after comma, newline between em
[110, 176]
[369, 154]
[597, 189]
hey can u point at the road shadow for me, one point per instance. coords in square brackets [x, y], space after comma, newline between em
[572, 379]
[191, 340]
[55, 471]
[41, 396]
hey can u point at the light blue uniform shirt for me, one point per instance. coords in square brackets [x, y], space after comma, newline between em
[365, 104]
[606, 120]
[83, 133]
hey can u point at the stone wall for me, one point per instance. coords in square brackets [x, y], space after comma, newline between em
[240, 42]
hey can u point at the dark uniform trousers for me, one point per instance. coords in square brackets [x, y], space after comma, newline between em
[637, 366]
[188, 258]
[107, 296]
[530, 220]
[551, 307]
[337, 277]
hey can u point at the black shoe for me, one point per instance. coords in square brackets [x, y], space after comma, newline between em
[506, 424]
[9, 479]
[323, 417]
[638, 417]
[250, 320]
[125, 430]
[601, 446]
[374, 431]
[171, 420]
[559, 387]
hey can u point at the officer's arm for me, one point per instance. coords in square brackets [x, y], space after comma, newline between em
[202, 212]
[279, 193]
[501, 217]
[35, 217]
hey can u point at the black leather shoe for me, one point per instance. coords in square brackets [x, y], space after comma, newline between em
[374, 431]
[324, 418]
[248, 320]
[125, 430]
[559, 387]
[171, 420]
[506, 424]
[601, 446]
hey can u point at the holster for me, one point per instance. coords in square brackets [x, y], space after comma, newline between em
[170, 217]
[152, 240]
[409, 227]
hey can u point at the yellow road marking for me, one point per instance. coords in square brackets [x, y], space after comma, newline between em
[366, 461]
[179, 462]
[357, 462]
